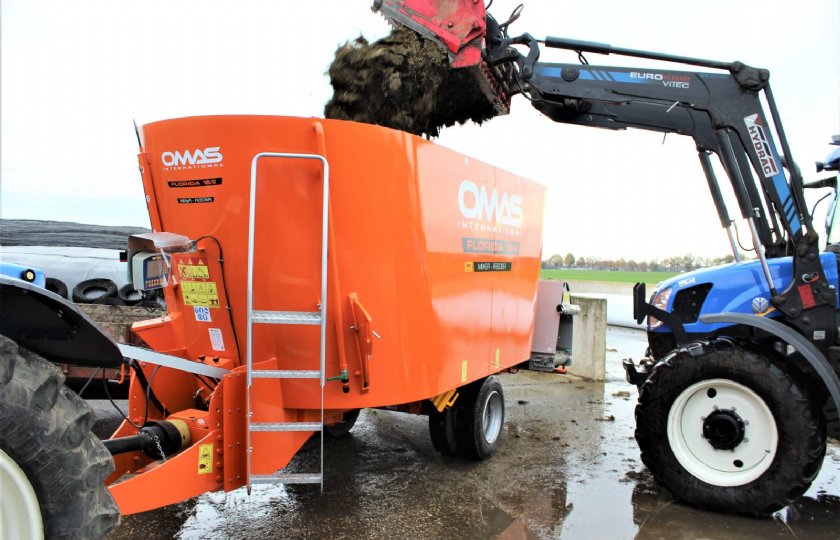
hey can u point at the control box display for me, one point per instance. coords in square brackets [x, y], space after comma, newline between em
[149, 271]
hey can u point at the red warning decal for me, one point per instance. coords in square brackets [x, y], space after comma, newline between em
[807, 296]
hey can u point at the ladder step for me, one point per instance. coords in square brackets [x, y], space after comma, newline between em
[286, 478]
[286, 374]
[287, 317]
[285, 426]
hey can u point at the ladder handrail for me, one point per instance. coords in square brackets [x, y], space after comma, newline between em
[250, 288]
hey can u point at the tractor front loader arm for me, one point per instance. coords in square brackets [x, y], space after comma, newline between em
[723, 113]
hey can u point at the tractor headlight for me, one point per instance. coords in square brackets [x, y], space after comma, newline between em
[660, 300]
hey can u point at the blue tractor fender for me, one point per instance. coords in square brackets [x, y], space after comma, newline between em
[796, 340]
[53, 327]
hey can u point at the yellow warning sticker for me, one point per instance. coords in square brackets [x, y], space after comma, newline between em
[205, 458]
[200, 293]
[468, 267]
[498, 362]
[193, 271]
[464, 371]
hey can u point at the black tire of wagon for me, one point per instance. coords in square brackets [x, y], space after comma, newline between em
[443, 430]
[343, 427]
[471, 409]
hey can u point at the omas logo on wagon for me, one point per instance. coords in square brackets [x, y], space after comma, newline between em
[183, 160]
[489, 210]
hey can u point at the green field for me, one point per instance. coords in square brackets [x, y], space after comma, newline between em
[604, 275]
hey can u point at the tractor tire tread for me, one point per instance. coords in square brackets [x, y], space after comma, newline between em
[786, 480]
[46, 429]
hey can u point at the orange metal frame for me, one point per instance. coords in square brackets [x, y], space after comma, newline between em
[433, 266]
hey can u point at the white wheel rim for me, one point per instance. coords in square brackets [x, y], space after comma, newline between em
[491, 417]
[20, 511]
[749, 459]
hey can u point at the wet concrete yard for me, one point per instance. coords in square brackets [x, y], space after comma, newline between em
[567, 468]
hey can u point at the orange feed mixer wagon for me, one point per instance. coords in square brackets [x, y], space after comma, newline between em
[312, 268]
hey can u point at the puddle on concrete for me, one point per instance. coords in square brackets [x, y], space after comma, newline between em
[564, 470]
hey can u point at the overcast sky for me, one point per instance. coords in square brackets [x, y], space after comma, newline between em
[75, 74]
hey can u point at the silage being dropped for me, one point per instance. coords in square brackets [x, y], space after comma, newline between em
[403, 81]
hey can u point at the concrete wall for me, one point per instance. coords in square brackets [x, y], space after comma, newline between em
[619, 298]
[604, 287]
[589, 339]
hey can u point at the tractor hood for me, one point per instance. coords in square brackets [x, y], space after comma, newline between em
[731, 288]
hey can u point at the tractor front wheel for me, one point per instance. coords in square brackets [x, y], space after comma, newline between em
[729, 429]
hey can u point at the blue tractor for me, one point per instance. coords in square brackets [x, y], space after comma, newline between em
[739, 389]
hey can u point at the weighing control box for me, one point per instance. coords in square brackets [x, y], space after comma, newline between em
[149, 271]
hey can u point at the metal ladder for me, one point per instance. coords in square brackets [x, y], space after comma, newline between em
[315, 318]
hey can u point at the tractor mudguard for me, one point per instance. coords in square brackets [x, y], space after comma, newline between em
[792, 338]
[52, 327]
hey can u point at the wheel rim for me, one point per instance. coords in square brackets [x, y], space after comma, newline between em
[491, 416]
[722, 432]
[20, 511]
